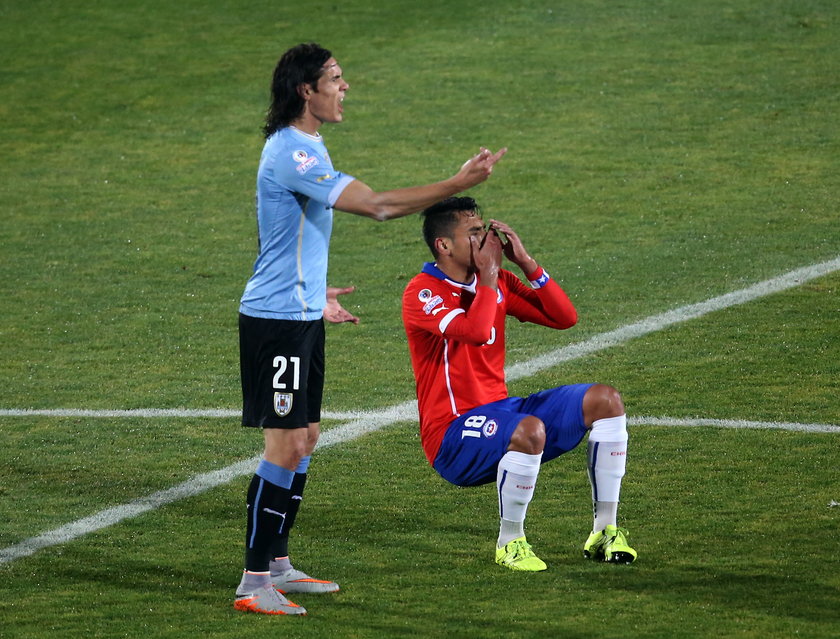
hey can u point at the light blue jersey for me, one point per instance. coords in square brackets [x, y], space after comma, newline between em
[296, 190]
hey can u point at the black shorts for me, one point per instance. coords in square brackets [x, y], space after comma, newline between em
[282, 368]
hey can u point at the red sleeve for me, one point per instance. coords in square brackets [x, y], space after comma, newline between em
[474, 326]
[547, 305]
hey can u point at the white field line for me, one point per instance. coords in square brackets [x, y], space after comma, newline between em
[733, 423]
[357, 423]
[369, 421]
[150, 413]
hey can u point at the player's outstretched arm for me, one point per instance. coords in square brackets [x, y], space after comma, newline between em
[360, 199]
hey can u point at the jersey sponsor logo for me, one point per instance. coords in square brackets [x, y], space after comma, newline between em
[304, 160]
[432, 303]
[490, 428]
[283, 403]
[618, 453]
[425, 295]
[305, 166]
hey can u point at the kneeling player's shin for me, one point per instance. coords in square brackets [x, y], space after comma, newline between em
[516, 479]
[607, 449]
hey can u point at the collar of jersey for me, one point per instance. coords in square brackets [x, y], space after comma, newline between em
[430, 268]
[315, 138]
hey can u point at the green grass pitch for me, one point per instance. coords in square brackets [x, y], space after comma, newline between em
[661, 154]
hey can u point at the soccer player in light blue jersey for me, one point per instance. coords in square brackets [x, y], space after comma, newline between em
[282, 311]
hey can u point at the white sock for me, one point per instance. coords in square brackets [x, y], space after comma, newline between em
[252, 581]
[607, 453]
[516, 478]
[279, 565]
[606, 514]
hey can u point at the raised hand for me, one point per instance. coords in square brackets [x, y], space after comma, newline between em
[479, 167]
[334, 312]
[512, 246]
[487, 257]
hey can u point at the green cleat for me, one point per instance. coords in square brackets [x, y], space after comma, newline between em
[594, 546]
[517, 555]
[609, 545]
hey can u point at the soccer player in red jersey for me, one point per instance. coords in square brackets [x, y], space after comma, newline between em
[471, 431]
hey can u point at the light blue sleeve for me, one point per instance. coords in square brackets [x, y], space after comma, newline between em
[307, 171]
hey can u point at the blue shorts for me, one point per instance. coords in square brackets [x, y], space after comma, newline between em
[475, 442]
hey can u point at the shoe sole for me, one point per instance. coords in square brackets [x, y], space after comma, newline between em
[521, 569]
[620, 557]
[596, 556]
[244, 606]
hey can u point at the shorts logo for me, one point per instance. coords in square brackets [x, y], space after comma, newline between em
[283, 404]
[304, 161]
[425, 295]
[490, 428]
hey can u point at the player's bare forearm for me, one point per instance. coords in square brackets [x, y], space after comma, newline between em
[360, 199]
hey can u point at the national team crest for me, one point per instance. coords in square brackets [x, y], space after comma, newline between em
[490, 428]
[283, 404]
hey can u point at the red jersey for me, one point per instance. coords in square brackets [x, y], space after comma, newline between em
[456, 337]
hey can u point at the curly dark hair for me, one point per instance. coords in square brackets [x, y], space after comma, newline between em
[302, 64]
[439, 220]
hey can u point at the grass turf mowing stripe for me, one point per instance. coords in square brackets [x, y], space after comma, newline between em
[367, 422]
[194, 486]
[346, 432]
[655, 323]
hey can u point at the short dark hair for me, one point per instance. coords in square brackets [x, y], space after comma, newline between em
[439, 220]
[302, 64]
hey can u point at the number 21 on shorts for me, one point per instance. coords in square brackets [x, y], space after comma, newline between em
[283, 401]
[281, 363]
